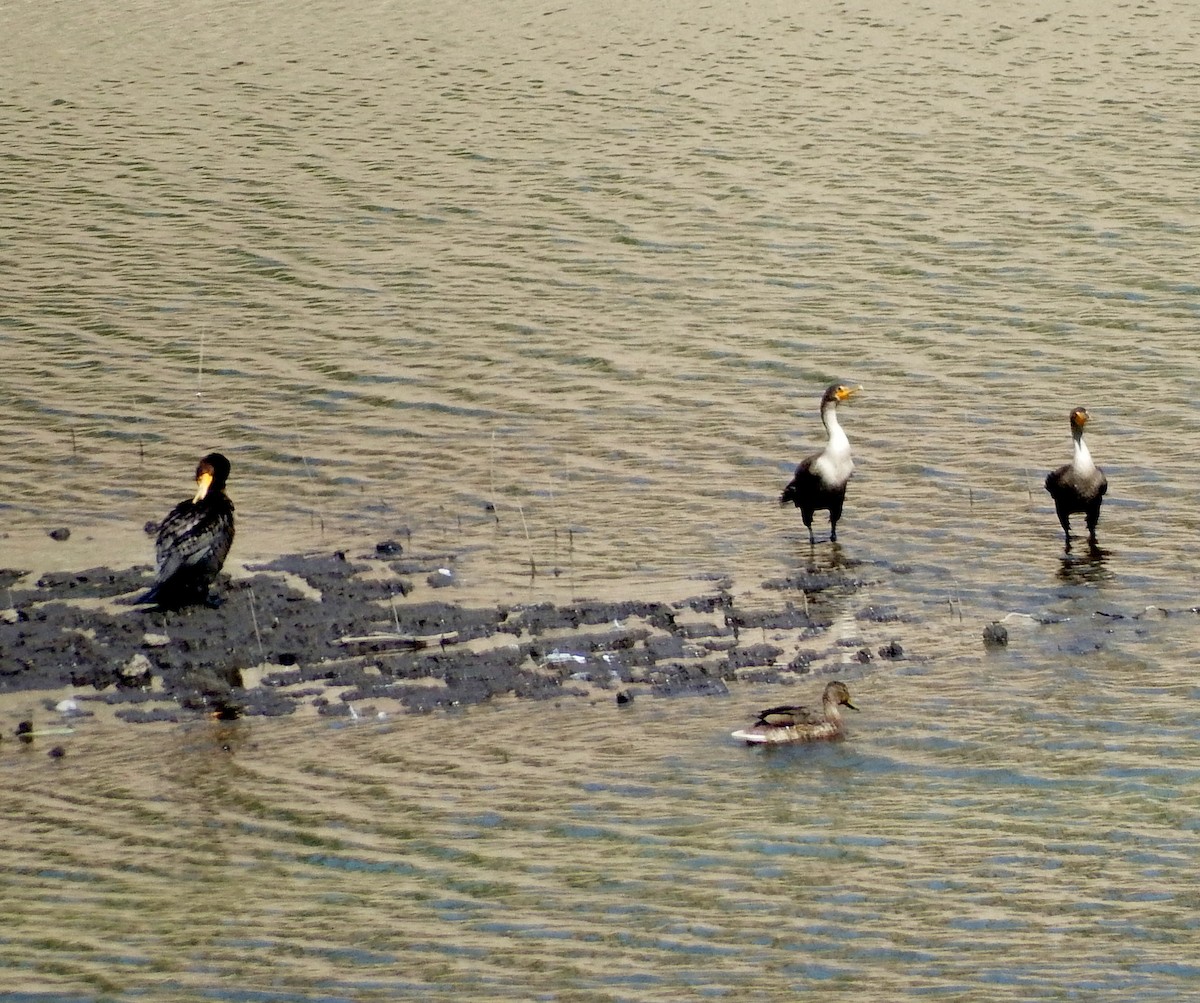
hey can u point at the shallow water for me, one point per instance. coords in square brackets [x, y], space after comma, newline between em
[991, 829]
[594, 267]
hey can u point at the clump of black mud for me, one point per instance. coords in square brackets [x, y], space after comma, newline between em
[345, 635]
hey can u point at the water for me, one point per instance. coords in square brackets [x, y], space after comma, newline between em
[987, 831]
[595, 267]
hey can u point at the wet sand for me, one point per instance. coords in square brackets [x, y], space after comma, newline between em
[380, 632]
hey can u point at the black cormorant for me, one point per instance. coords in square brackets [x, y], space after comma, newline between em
[820, 481]
[194, 539]
[1078, 486]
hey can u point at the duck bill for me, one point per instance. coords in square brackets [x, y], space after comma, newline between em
[850, 705]
[203, 482]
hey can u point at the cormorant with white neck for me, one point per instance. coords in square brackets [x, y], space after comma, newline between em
[1078, 486]
[820, 481]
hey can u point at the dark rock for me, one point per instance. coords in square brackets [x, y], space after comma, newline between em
[754, 654]
[879, 614]
[662, 647]
[995, 635]
[10, 576]
[156, 715]
[60, 534]
[706, 604]
[789, 618]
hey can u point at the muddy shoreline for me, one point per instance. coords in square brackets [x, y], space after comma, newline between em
[348, 634]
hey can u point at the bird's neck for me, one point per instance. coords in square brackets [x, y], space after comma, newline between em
[838, 443]
[1083, 458]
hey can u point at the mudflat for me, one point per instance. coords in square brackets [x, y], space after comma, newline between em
[380, 632]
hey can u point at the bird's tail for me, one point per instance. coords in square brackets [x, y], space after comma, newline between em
[148, 597]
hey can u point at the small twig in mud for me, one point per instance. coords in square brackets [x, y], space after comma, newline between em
[395, 612]
[74, 447]
[528, 541]
[492, 479]
[554, 521]
[313, 480]
[955, 603]
[571, 556]
[970, 499]
[411, 641]
[1028, 489]
[262, 656]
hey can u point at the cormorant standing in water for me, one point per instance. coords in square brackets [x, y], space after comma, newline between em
[194, 539]
[820, 481]
[1078, 486]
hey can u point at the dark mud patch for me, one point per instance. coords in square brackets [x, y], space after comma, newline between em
[344, 635]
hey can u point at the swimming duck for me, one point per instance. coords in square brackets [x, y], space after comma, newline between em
[1078, 486]
[801, 724]
[194, 539]
[820, 480]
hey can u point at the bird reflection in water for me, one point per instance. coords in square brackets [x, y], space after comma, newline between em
[831, 558]
[1088, 568]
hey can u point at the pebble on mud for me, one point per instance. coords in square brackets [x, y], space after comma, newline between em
[135, 672]
[995, 635]
[60, 534]
[440, 578]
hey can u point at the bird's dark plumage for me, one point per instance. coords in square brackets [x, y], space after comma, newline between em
[820, 481]
[1078, 486]
[194, 539]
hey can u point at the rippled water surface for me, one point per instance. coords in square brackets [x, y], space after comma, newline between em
[593, 266]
